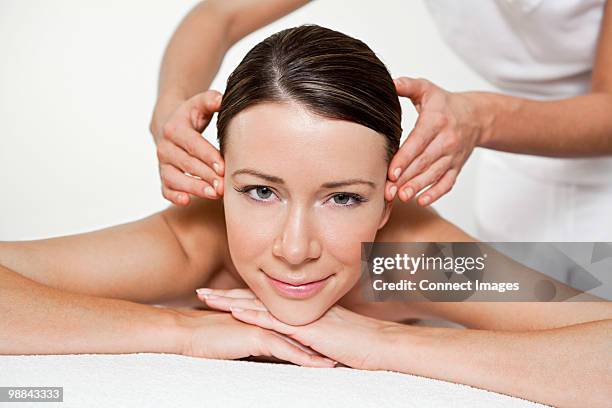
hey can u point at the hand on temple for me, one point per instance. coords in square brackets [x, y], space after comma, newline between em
[188, 163]
[434, 152]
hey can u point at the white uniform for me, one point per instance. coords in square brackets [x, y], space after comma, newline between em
[540, 49]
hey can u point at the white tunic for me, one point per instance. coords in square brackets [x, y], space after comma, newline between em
[539, 49]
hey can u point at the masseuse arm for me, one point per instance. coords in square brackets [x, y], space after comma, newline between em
[190, 63]
[578, 126]
[450, 125]
[156, 259]
[411, 223]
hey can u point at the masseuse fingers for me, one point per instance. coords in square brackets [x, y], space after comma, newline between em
[441, 187]
[178, 181]
[427, 126]
[423, 164]
[176, 197]
[202, 107]
[418, 183]
[273, 346]
[177, 157]
[199, 148]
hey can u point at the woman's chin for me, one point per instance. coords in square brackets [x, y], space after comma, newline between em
[297, 316]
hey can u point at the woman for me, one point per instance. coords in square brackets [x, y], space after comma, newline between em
[307, 126]
[548, 156]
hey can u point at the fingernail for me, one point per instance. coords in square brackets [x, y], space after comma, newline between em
[209, 191]
[203, 291]
[218, 98]
[425, 200]
[216, 167]
[236, 309]
[330, 361]
[409, 192]
[397, 172]
[216, 183]
[392, 191]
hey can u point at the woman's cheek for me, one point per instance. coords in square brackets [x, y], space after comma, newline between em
[249, 230]
[343, 233]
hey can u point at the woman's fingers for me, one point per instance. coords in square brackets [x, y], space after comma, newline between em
[273, 346]
[233, 293]
[226, 303]
[263, 319]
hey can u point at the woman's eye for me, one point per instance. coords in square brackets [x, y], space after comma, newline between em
[347, 200]
[263, 192]
[257, 193]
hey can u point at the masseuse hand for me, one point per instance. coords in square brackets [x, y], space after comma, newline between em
[181, 149]
[219, 336]
[344, 336]
[436, 149]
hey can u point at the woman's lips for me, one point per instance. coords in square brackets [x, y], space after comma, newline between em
[302, 291]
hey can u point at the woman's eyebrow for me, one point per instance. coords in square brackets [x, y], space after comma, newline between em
[278, 180]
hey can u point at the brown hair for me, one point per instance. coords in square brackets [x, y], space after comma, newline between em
[329, 73]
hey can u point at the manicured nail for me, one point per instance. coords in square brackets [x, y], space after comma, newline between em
[209, 191]
[204, 291]
[236, 309]
[409, 192]
[425, 200]
[216, 167]
[397, 172]
[392, 191]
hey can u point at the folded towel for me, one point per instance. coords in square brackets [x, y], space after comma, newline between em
[167, 380]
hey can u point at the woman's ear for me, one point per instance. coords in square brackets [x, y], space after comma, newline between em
[386, 214]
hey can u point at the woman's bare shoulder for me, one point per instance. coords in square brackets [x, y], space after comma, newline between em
[409, 222]
[200, 229]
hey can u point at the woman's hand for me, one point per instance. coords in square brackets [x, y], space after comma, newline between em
[434, 152]
[188, 163]
[349, 338]
[220, 336]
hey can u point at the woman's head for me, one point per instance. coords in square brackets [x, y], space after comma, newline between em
[308, 124]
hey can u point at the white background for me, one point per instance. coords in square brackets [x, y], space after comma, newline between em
[78, 83]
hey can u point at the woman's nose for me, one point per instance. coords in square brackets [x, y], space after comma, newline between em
[296, 243]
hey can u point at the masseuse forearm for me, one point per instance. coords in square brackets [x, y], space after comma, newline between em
[195, 51]
[191, 60]
[568, 366]
[574, 127]
[36, 319]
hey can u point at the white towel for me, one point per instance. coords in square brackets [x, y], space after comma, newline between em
[167, 380]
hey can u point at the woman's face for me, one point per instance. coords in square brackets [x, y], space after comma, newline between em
[301, 193]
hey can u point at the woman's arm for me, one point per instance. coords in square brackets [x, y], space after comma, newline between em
[37, 319]
[567, 366]
[411, 223]
[159, 258]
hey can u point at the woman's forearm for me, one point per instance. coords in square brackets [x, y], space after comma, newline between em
[36, 319]
[568, 366]
[574, 127]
